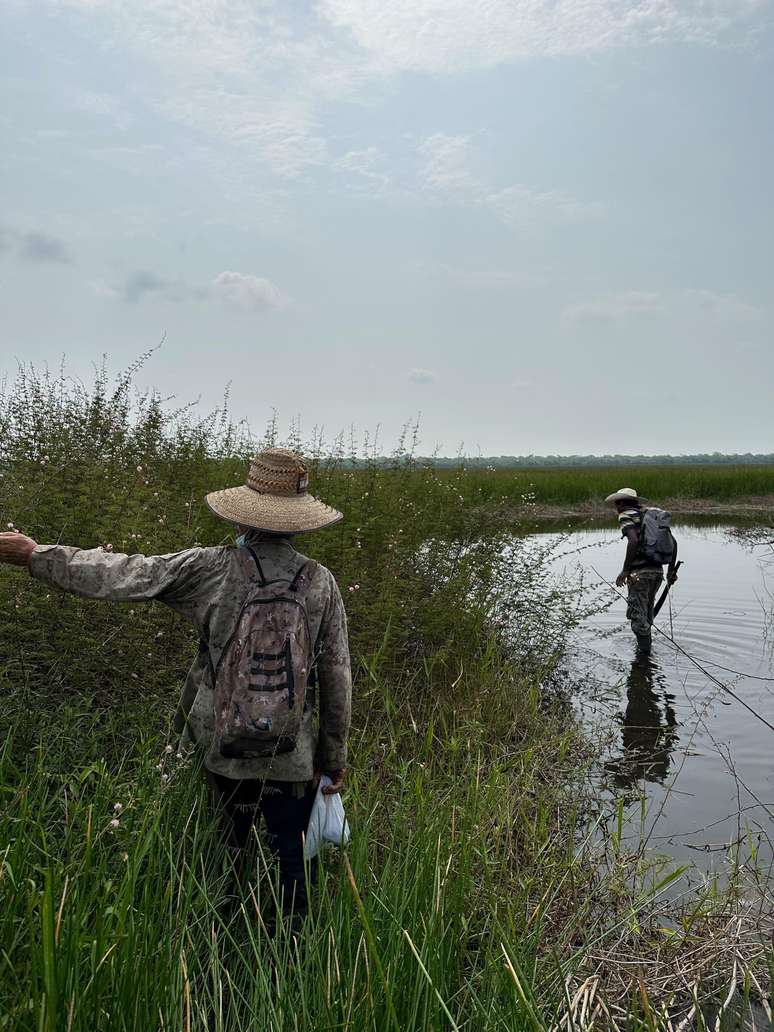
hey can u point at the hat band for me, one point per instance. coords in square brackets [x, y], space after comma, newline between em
[284, 489]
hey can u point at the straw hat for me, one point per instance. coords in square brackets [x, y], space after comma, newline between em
[274, 498]
[624, 494]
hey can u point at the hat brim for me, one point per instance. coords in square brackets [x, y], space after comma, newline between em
[276, 514]
[613, 498]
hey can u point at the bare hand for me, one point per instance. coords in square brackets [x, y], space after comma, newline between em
[337, 782]
[621, 579]
[671, 576]
[16, 548]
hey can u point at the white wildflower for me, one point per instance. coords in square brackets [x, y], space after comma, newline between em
[115, 823]
[118, 807]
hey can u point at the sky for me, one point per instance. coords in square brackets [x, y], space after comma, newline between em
[539, 226]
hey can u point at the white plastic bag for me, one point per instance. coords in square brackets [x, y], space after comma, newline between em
[327, 822]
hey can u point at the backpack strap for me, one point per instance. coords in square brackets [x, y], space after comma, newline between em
[257, 561]
[311, 566]
[641, 530]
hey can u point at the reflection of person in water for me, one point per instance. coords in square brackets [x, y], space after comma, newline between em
[649, 735]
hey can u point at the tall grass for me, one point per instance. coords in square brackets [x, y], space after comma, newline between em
[474, 894]
[132, 927]
[590, 485]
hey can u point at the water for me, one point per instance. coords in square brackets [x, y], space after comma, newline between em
[704, 763]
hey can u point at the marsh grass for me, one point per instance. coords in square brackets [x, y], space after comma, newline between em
[589, 486]
[480, 889]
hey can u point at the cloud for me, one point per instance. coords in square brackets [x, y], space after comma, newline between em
[694, 306]
[260, 74]
[252, 74]
[421, 375]
[250, 293]
[614, 308]
[142, 283]
[445, 164]
[40, 247]
[445, 36]
[240, 290]
[517, 205]
[446, 170]
[32, 246]
[367, 168]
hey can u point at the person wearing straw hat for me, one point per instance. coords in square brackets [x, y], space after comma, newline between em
[254, 772]
[641, 575]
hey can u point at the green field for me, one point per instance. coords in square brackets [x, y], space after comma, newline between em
[484, 887]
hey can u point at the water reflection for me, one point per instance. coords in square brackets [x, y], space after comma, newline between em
[649, 726]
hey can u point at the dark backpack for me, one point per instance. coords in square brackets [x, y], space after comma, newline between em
[261, 679]
[656, 542]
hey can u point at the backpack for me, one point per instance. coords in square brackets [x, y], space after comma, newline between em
[656, 543]
[263, 672]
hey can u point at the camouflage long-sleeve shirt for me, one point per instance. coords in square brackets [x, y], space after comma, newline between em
[208, 586]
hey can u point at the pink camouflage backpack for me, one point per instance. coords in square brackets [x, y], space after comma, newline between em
[263, 672]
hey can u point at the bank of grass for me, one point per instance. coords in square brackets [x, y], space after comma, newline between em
[480, 890]
[685, 488]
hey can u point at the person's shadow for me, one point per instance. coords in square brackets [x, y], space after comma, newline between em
[649, 727]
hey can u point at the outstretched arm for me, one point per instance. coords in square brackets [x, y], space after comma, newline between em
[177, 579]
[15, 548]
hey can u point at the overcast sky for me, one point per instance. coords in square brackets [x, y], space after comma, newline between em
[546, 225]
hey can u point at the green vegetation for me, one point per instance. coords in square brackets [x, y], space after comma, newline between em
[589, 486]
[628, 461]
[481, 890]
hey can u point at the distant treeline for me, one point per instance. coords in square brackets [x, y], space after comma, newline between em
[571, 461]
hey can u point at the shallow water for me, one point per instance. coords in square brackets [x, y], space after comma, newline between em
[704, 763]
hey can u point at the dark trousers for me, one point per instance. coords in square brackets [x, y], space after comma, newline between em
[242, 803]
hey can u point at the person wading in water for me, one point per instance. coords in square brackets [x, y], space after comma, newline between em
[644, 559]
[273, 634]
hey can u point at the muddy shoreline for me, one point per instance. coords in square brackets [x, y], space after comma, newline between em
[758, 508]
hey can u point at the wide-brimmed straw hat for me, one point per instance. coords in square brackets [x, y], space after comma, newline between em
[274, 497]
[624, 494]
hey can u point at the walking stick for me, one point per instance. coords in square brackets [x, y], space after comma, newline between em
[665, 592]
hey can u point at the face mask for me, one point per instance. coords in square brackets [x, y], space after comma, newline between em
[241, 541]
